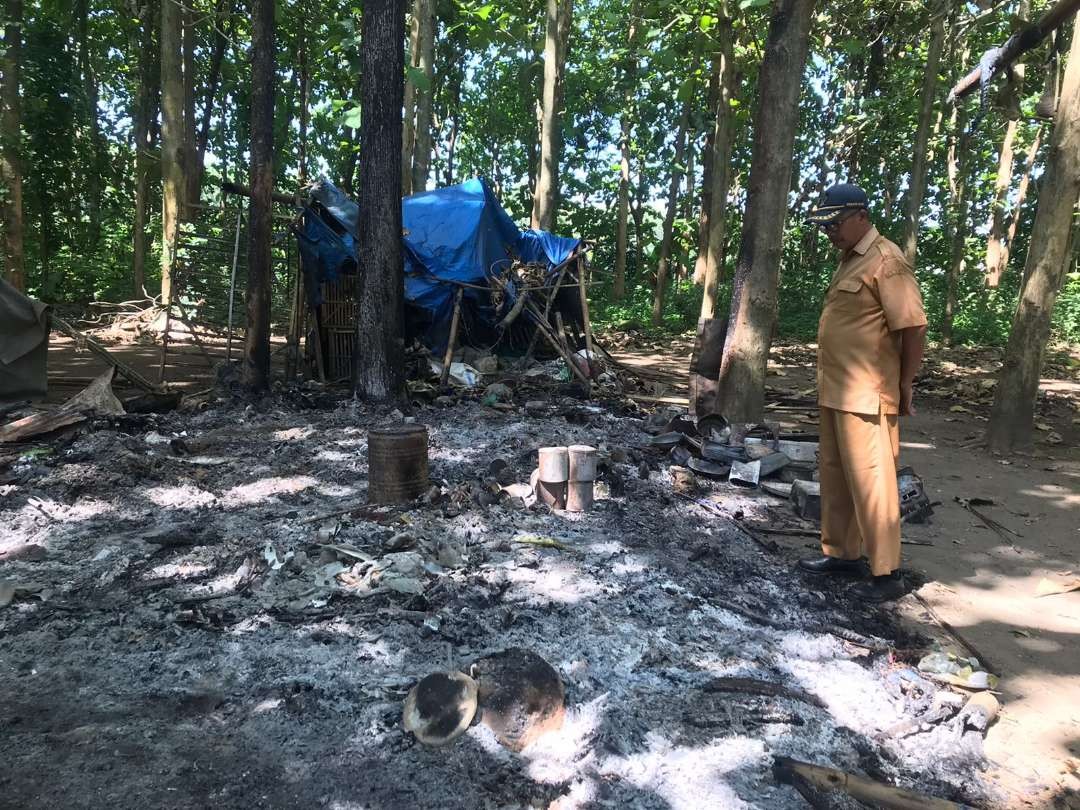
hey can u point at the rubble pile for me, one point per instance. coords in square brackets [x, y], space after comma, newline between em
[201, 608]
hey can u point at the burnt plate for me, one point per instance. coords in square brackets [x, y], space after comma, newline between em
[665, 441]
[715, 451]
[521, 696]
[710, 469]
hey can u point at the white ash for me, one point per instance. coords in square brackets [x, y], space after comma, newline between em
[286, 690]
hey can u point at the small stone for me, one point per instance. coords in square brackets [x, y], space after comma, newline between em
[498, 392]
[444, 402]
[399, 542]
[486, 364]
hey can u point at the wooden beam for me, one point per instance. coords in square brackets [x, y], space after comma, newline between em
[874, 794]
[100, 351]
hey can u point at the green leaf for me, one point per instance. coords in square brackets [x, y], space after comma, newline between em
[417, 78]
[706, 22]
[745, 4]
[485, 11]
[351, 118]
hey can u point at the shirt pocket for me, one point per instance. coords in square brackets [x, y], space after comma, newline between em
[844, 295]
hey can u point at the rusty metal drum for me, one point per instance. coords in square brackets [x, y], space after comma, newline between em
[397, 463]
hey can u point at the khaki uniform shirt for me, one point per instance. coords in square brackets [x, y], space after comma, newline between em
[872, 296]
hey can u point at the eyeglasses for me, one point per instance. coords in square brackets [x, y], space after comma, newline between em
[831, 227]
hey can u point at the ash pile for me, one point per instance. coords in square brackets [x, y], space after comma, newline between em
[201, 606]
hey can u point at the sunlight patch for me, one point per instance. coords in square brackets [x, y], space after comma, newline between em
[187, 496]
[266, 488]
[558, 755]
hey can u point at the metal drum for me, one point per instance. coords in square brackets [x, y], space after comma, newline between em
[397, 463]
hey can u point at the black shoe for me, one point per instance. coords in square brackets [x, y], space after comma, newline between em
[832, 565]
[885, 588]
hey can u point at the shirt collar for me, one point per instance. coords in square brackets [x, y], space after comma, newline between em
[864, 244]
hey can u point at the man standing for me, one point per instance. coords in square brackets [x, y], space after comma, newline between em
[870, 345]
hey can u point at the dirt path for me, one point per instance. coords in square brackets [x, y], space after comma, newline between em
[977, 581]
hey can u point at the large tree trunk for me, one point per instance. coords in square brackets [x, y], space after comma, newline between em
[421, 165]
[172, 139]
[11, 202]
[721, 175]
[753, 301]
[546, 197]
[142, 115]
[629, 80]
[379, 356]
[664, 259]
[256, 371]
[1013, 413]
[927, 97]
[305, 101]
[707, 161]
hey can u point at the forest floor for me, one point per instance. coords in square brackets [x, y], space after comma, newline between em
[181, 635]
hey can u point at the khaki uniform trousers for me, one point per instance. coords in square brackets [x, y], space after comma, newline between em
[860, 503]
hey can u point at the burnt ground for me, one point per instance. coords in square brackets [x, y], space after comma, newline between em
[181, 640]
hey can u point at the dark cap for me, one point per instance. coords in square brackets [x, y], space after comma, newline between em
[837, 202]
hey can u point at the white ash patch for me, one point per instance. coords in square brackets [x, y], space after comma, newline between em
[184, 496]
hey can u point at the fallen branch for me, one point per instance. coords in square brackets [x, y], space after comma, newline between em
[749, 686]
[100, 351]
[369, 511]
[874, 794]
[97, 398]
[843, 633]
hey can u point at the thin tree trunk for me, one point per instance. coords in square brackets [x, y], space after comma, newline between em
[667, 238]
[721, 177]
[305, 83]
[379, 355]
[753, 301]
[1013, 412]
[408, 135]
[422, 137]
[546, 197]
[11, 200]
[223, 13]
[1017, 210]
[172, 138]
[95, 161]
[349, 170]
[143, 113]
[256, 372]
[707, 161]
[629, 81]
[927, 97]
[959, 197]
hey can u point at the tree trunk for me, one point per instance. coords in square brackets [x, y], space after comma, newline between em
[546, 197]
[959, 188]
[256, 372]
[143, 113]
[11, 200]
[1013, 413]
[95, 160]
[721, 176]
[408, 135]
[667, 238]
[191, 168]
[172, 139]
[1017, 209]
[995, 243]
[707, 162]
[379, 355]
[927, 97]
[753, 302]
[629, 81]
[305, 100]
[223, 12]
[422, 138]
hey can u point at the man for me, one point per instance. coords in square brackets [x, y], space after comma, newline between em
[870, 345]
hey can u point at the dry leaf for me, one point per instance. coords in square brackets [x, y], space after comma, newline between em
[1042, 426]
[1048, 587]
[1053, 438]
[1020, 633]
[959, 409]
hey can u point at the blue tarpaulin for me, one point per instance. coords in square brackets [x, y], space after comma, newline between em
[455, 234]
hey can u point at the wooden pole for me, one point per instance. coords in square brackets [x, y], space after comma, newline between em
[547, 310]
[585, 312]
[544, 329]
[874, 794]
[448, 356]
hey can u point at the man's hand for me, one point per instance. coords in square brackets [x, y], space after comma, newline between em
[907, 393]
